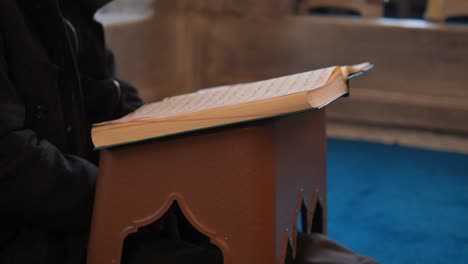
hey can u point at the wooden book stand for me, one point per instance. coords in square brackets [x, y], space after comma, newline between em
[242, 186]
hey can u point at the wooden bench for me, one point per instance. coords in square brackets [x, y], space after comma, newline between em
[440, 10]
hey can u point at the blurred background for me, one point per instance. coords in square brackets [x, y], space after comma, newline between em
[398, 146]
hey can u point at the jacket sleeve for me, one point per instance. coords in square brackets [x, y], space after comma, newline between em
[39, 185]
[109, 98]
[129, 99]
[106, 97]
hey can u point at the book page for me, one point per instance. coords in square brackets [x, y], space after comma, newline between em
[229, 95]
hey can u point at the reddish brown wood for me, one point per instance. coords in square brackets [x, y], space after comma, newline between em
[239, 185]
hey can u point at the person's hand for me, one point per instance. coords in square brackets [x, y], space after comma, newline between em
[117, 87]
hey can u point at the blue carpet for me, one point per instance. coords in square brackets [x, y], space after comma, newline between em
[398, 204]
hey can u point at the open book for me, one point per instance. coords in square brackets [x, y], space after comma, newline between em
[228, 104]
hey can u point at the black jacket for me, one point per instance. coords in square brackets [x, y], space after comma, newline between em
[56, 79]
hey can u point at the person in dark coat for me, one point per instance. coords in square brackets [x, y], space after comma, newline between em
[57, 78]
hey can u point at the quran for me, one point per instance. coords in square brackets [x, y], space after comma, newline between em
[229, 104]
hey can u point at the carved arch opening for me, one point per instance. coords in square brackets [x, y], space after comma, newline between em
[170, 238]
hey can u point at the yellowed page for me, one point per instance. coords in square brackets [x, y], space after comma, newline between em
[229, 95]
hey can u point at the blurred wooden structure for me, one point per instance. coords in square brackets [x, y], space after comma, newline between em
[419, 82]
[364, 7]
[440, 10]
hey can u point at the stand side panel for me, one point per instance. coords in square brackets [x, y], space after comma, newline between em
[301, 169]
[223, 180]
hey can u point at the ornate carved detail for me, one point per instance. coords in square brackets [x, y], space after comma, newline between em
[191, 217]
[308, 220]
[311, 211]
